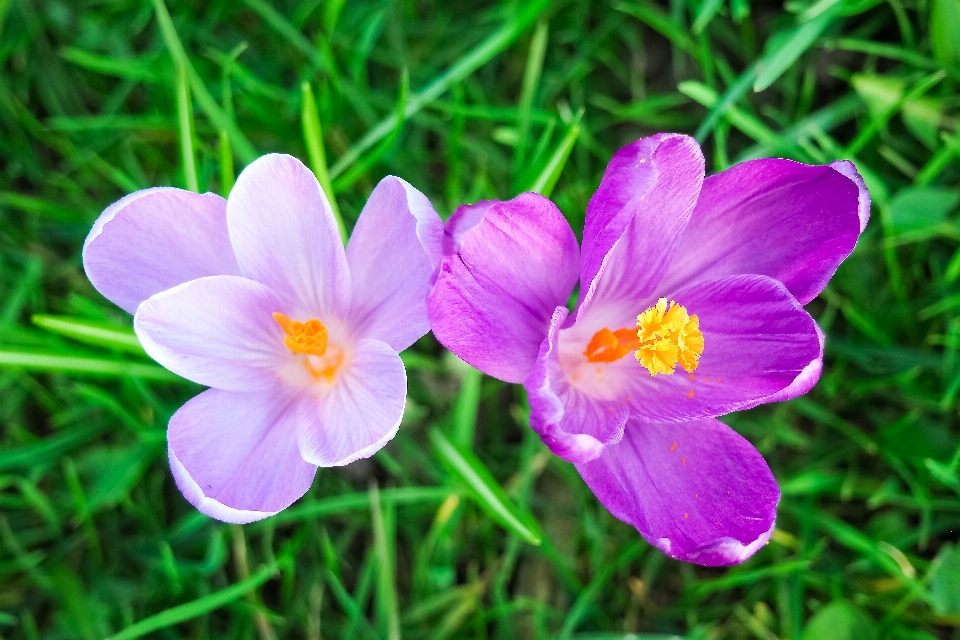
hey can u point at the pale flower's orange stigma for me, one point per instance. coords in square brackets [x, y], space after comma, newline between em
[666, 335]
[308, 337]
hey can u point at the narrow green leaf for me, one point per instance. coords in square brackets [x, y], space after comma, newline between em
[785, 47]
[49, 449]
[56, 363]
[660, 22]
[313, 136]
[708, 9]
[476, 58]
[489, 495]
[100, 334]
[227, 174]
[531, 79]
[209, 106]
[720, 108]
[465, 412]
[198, 607]
[547, 180]
[385, 566]
[311, 510]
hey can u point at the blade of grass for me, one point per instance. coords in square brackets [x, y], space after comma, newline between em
[476, 58]
[57, 363]
[531, 78]
[465, 411]
[488, 494]
[547, 179]
[185, 129]
[198, 607]
[385, 566]
[88, 332]
[313, 136]
[209, 106]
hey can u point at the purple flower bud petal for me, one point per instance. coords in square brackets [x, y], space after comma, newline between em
[506, 267]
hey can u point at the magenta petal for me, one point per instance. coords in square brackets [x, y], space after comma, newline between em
[575, 425]
[234, 455]
[759, 346]
[636, 218]
[696, 490]
[360, 413]
[506, 267]
[393, 252]
[217, 331]
[285, 236]
[155, 239]
[790, 221]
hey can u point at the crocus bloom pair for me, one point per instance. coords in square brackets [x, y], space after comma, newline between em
[689, 307]
[255, 297]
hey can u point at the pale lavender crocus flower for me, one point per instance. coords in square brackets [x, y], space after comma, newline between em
[255, 297]
[690, 307]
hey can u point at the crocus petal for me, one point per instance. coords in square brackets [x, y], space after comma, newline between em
[155, 239]
[575, 425]
[285, 236]
[234, 455]
[759, 346]
[636, 218]
[506, 267]
[360, 412]
[393, 252]
[696, 490]
[217, 331]
[790, 221]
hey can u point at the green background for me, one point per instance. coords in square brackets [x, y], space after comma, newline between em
[465, 526]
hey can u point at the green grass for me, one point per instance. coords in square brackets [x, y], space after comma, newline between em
[435, 537]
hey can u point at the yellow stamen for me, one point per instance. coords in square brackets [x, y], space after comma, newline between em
[308, 337]
[666, 335]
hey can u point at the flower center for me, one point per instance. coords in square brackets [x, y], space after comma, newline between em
[665, 336]
[310, 338]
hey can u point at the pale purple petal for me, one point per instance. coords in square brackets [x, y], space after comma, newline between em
[793, 222]
[155, 239]
[759, 344]
[359, 413]
[575, 425]
[217, 331]
[393, 253]
[506, 267]
[696, 490]
[285, 236]
[636, 219]
[235, 456]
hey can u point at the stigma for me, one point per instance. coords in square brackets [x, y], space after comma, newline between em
[666, 335]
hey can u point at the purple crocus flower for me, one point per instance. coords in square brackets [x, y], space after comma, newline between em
[690, 307]
[255, 297]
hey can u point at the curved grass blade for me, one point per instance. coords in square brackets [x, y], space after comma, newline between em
[489, 495]
[476, 58]
[313, 136]
[547, 180]
[56, 363]
[96, 333]
[198, 607]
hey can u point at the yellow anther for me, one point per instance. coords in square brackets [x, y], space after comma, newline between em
[308, 337]
[668, 336]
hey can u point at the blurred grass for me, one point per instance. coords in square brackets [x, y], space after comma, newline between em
[468, 101]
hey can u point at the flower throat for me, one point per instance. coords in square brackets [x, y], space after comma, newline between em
[666, 335]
